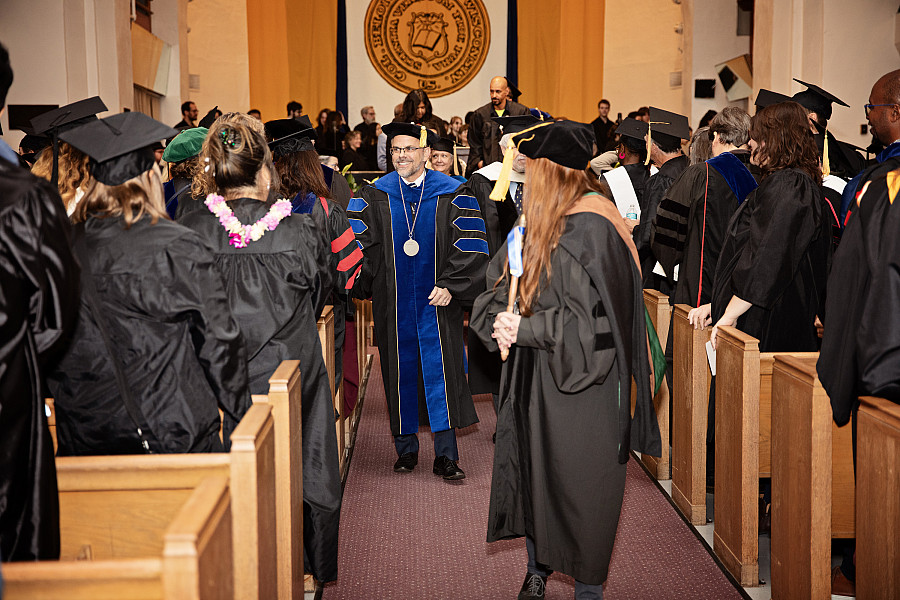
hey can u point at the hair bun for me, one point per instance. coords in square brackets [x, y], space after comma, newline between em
[230, 137]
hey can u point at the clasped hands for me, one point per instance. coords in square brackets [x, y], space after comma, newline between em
[506, 329]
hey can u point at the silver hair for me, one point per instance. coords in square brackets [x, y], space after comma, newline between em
[733, 126]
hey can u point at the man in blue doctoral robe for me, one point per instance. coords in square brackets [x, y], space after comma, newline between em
[425, 252]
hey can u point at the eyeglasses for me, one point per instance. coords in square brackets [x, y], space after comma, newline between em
[868, 107]
[407, 150]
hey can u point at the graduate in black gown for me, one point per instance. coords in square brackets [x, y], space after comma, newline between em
[276, 269]
[628, 181]
[689, 227]
[576, 343]
[299, 170]
[38, 306]
[666, 130]
[156, 347]
[771, 276]
[425, 253]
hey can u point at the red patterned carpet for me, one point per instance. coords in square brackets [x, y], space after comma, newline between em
[415, 536]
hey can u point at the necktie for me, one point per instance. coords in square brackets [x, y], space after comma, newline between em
[517, 199]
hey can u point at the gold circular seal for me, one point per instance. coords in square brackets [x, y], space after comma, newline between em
[434, 45]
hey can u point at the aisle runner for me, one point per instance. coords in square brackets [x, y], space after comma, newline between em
[417, 537]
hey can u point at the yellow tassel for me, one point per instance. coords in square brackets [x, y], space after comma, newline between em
[649, 146]
[423, 137]
[826, 164]
[455, 163]
[893, 183]
[502, 186]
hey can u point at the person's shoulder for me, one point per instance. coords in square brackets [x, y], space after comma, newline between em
[516, 109]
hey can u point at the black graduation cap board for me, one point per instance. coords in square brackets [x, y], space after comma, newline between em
[425, 136]
[767, 98]
[567, 143]
[668, 123]
[58, 120]
[632, 128]
[119, 146]
[515, 124]
[290, 135]
[816, 99]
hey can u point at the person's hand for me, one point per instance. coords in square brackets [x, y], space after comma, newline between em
[439, 297]
[714, 336]
[506, 329]
[820, 329]
[631, 224]
[700, 317]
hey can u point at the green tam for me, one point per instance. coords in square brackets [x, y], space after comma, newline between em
[186, 145]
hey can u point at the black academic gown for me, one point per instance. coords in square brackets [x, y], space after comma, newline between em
[639, 174]
[657, 186]
[277, 287]
[38, 305]
[867, 247]
[691, 221]
[412, 335]
[564, 428]
[775, 256]
[176, 340]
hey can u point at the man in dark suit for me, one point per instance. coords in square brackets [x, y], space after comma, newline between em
[484, 134]
[604, 128]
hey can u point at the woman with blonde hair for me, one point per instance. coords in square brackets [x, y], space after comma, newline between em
[275, 267]
[564, 427]
[156, 349]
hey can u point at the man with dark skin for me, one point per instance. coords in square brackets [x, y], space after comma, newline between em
[883, 115]
[484, 134]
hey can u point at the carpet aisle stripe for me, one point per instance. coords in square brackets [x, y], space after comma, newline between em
[415, 536]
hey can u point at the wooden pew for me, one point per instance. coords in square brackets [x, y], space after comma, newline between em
[743, 448]
[690, 402]
[284, 398]
[325, 325]
[158, 485]
[813, 491]
[182, 556]
[878, 492]
[364, 339]
[660, 314]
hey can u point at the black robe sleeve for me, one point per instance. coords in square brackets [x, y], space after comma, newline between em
[668, 229]
[491, 302]
[476, 144]
[364, 219]
[467, 258]
[785, 219]
[481, 187]
[576, 334]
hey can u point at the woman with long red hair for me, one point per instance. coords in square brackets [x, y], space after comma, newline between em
[564, 426]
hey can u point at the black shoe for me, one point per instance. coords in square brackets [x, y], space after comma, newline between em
[533, 588]
[448, 469]
[406, 463]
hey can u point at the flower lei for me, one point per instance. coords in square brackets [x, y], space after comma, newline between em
[239, 235]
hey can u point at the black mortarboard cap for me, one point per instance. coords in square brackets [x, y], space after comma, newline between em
[816, 100]
[66, 117]
[632, 128]
[444, 145]
[425, 136]
[567, 143]
[119, 146]
[515, 124]
[209, 118]
[34, 143]
[514, 92]
[668, 123]
[289, 135]
[767, 98]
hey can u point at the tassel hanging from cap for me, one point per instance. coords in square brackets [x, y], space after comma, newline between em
[826, 164]
[455, 161]
[649, 145]
[423, 136]
[498, 194]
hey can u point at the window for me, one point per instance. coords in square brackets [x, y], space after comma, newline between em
[142, 13]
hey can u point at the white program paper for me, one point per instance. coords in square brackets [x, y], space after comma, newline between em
[711, 358]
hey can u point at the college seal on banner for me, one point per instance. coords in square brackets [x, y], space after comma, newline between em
[434, 45]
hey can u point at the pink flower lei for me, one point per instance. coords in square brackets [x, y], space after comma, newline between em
[239, 235]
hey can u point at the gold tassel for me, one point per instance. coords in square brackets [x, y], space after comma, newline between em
[498, 194]
[826, 164]
[455, 163]
[423, 137]
[649, 146]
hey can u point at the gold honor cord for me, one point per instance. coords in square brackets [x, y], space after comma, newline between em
[501, 187]
[649, 140]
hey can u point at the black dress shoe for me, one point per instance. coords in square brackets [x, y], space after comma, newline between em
[448, 469]
[406, 463]
[533, 588]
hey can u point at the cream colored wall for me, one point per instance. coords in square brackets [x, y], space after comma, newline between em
[168, 24]
[842, 46]
[218, 53]
[641, 49]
